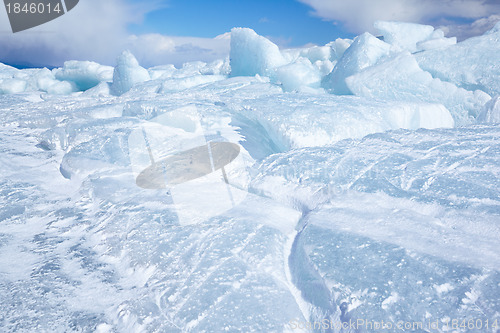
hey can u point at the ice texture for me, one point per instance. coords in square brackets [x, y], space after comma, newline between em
[364, 52]
[436, 41]
[414, 84]
[490, 112]
[402, 35]
[253, 54]
[333, 118]
[85, 74]
[298, 74]
[371, 207]
[398, 224]
[127, 73]
[471, 64]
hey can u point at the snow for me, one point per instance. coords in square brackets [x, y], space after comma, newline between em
[380, 204]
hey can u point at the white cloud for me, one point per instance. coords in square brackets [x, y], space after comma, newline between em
[156, 49]
[358, 15]
[93, 30]
[97, 30]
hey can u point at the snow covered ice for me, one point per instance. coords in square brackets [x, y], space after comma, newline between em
[366, 187]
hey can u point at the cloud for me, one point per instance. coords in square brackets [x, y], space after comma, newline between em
[358, 15]
[156, 49]
[464, 31]
[97, 30]
[93, 30]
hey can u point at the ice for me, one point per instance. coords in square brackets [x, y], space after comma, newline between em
[102, 89]
[318, 53]
[298, 74]
[413, 84]
[402, 35]
[490, 112]
[364, 52]
[333, 118]
[164, 71]
[253, 54]
[403, 214]
[85, 74]
[471, 64]
[337, 208]
[170, 85]
[127, 73]
[341, 45]
[437, 43]
[12, 86]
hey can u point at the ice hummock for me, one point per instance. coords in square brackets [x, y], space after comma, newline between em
[127, 73]
[364, 52]
[84, 74]
[414, 84]
[375, 206]
[471, 64]
[252, 54]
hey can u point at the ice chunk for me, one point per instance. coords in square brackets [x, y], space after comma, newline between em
[217, 67]
[298, 74]
[85, 74]
[61, 88]
[333, 118]
[190, 69]
[12, 86]
[402, 35]
[471, 64]
[437, 43]
[490, 112]
[164, 71]
[44, 80]
[340, 45]
[253, 54]
[365, 51]
[413, 84]
[127, 73]
[325, 67]
[7, 71]
[102, 89]
[316, 53]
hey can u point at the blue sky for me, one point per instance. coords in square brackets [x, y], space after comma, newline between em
[287, 22]
[177, 31]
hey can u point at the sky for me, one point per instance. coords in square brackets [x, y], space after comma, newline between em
[176, 31]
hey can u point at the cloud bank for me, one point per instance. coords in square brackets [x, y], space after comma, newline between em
[358, 15]
[97, 30]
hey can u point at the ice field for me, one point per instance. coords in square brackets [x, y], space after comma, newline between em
[366, 188]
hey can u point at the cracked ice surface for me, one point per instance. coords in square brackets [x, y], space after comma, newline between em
[372, 207]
